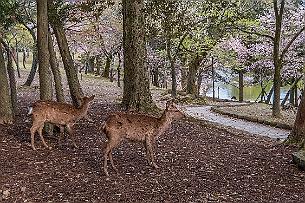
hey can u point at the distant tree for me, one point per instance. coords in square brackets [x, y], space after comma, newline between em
[136, 81]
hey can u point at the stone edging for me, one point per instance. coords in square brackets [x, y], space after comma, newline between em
[216, 109]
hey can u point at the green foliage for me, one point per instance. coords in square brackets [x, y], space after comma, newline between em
[7, 13]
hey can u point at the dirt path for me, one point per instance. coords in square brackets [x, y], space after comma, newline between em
[205, 113]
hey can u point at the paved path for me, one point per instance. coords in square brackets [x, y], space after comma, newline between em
[205, 113]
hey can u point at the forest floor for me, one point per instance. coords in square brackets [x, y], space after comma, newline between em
[199, 161]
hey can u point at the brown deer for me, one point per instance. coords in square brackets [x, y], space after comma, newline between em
[59, 114]
[137, 127]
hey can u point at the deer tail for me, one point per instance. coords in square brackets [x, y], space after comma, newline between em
[30, 110]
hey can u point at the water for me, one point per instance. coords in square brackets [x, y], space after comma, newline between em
[251, 93]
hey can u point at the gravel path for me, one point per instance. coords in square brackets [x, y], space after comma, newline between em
[205, 113]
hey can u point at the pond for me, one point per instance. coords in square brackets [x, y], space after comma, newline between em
[251, 93]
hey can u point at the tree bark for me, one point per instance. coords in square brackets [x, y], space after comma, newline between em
[241, 85]
[71, 72]
[106, 71]
[55, 70]
[32, 73]
[23, 58]
[277, 61]
[172, 64]
[6, 113]
[298, 133]
[136, 81]
[191, 87]
[43, 54]
[12, 79]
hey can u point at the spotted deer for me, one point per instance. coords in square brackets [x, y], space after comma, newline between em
[136, 127]
[59, 114]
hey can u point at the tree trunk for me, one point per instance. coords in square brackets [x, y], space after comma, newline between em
[31, 76]
[98, 64]
[298, 132]
[71, 72]
[183, 79]
[119, 70]
[55, 70]
[106, 71]
[136, 92]
[277, 60]
[43, 54]
[191, 87]
[91, 64]
[17, 60]
[172, 65]
[6, 113]
[12, 80]
[269, 95]
[241, 85]
[23, 58]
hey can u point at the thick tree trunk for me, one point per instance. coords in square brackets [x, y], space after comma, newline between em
[43, 54]
[6, 113]
[241, 85]
[136, 82]
[56, 72]
[298, 132]
[191, 87]
[71, 72]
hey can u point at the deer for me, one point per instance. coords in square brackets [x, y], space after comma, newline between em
[137, 127]
[57, 113]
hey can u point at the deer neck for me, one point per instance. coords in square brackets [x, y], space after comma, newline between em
[165, 121]
[82, 110]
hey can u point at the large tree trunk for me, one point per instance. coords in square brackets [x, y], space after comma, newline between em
[43, 54]
[6, 113]
[241, 85]
[71, 72]
[298, 132]
[55, 70]
[136, 81]
[191, 87]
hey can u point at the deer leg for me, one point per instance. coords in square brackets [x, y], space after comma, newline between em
[33, 130]
[41, 137]
[108, 152]
[70, 131]
[111, 161]
[151, 152]
[61, 134]
[147, 153]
